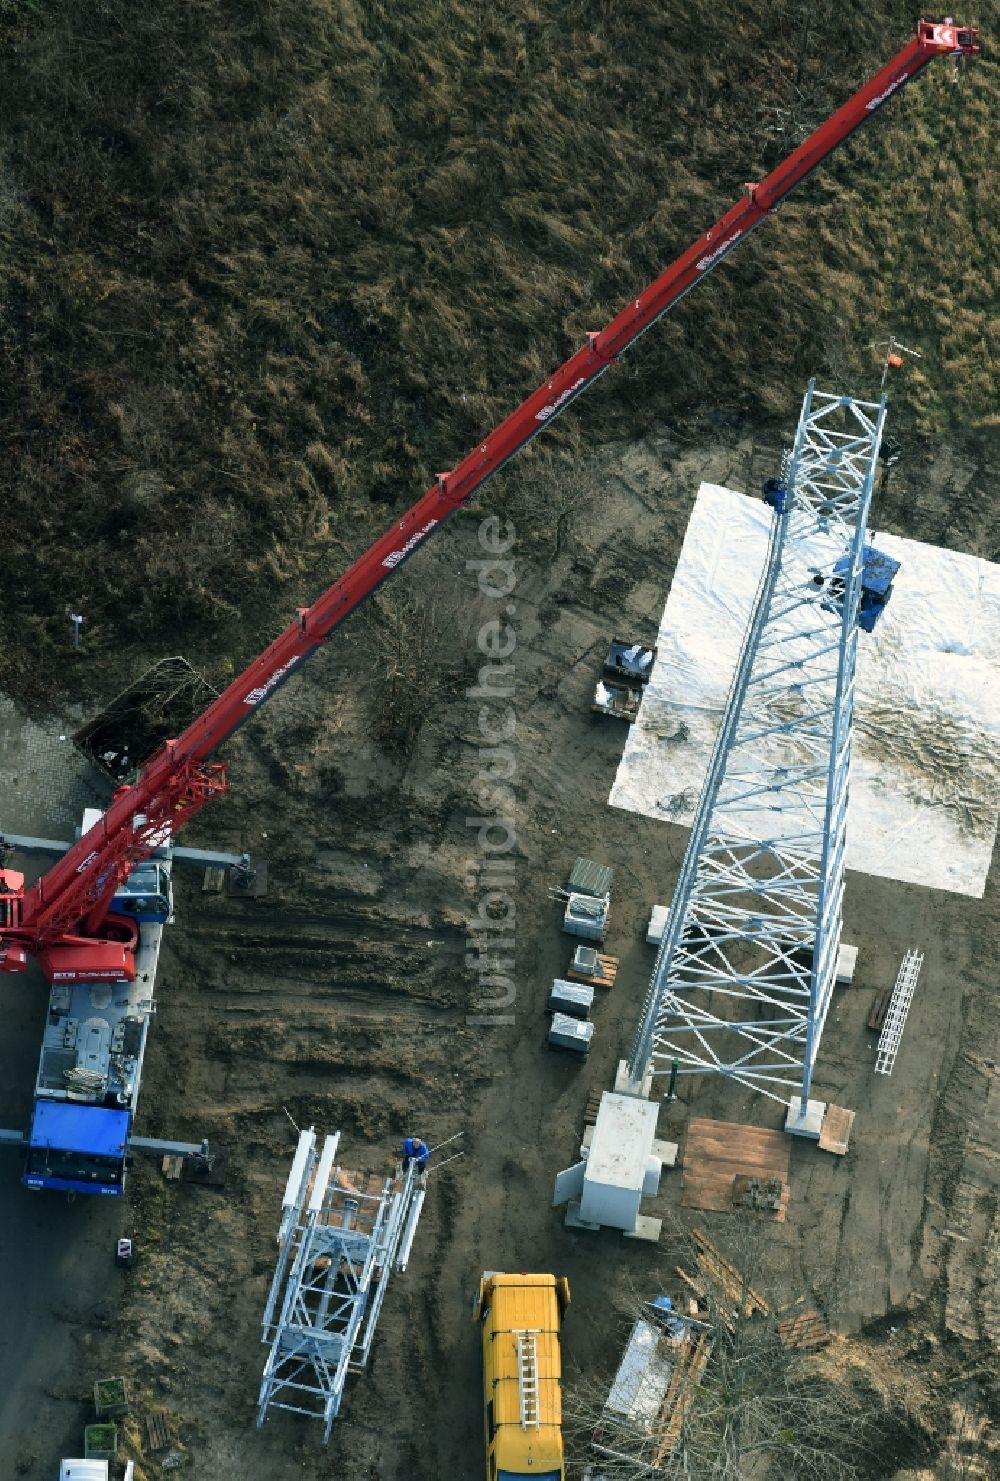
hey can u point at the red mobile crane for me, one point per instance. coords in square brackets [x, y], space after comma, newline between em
[65, 920]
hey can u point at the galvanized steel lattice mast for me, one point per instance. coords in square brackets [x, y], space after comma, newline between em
[338, 1242]
[748, 958]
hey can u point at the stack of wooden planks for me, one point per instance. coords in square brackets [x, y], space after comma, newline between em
[808, 1330]
[731, 1290]
[684, 1380]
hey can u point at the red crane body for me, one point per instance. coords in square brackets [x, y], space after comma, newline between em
[60, 918]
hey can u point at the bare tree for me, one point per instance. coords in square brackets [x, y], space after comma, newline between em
[546, 500]
[759, 1408]
[419, 653]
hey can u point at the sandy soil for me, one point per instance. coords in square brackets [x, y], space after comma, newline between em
[344, 997]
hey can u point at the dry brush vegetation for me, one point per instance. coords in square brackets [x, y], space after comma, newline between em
[267, 266]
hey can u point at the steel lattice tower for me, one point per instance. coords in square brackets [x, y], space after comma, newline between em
[748, 958]
[340, 1238]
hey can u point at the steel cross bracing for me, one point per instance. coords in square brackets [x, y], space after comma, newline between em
[339, 1239]
[748, 958]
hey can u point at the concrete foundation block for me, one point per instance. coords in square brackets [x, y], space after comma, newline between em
[847, 961]
[625, 1086]
[646, 1229]
[807, 1122]
[667, 1153]
[573, 1220]
[657, 925]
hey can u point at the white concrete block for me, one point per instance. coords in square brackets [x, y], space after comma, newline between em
[847, 961]
[646, 1228]
[657, 925]
[808, 1123]
[666, 1152]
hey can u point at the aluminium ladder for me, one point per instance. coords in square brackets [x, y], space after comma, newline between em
[899, 1006]
[527, 1378]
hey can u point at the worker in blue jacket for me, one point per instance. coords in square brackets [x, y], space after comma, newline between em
[414, 1150]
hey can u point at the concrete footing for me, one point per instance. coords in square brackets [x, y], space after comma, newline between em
[572, 1219]
[847, 961]
[646, 1228]
[806, 1121]
[626, 1086]
[666, 1152]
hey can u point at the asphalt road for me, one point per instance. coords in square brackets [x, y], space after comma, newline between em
[58, 1279]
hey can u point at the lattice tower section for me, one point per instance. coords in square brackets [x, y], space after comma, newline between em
[748, 958]
[341, 1236]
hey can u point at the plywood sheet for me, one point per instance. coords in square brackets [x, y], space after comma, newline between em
[718, 1152]
[835, 1132]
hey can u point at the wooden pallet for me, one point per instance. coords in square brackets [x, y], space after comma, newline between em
[157, 1427]
[592, 1107]
[876, 1017]
[604, 978]
[808, 1330]
[194, 1171]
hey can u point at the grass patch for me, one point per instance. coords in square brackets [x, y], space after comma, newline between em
[267, 266]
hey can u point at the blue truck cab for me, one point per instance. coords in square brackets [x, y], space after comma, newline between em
[92, 1055]
[77, 1148]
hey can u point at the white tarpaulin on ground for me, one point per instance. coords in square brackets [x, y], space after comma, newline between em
[924, 783]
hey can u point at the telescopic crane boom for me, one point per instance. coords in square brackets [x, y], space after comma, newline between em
[63, 919]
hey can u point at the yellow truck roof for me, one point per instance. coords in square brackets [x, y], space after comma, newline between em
[522, 1328]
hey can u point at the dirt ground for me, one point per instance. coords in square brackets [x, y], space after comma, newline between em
[344, 998]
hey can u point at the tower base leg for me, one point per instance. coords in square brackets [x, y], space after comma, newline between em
[626, 1086]
[807, 1121]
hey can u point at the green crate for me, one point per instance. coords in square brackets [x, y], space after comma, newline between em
[110, 1398]
[100, 1442]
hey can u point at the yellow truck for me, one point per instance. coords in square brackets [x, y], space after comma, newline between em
[521, 1317]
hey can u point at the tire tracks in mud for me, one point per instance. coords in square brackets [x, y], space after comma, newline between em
[964, 1180]
[361, 964]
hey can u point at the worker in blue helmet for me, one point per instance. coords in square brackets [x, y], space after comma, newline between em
[415, 1150]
